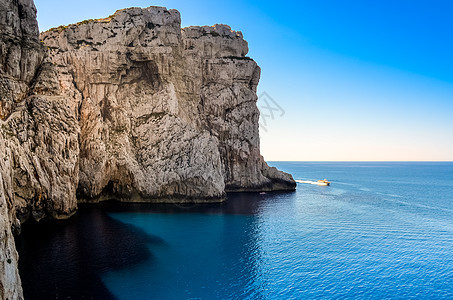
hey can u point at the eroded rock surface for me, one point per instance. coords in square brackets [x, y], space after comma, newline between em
[40, 127]
[39, 148]
[10, 284]
[166, 113]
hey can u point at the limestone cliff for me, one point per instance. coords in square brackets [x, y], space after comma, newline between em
[39, 128]
[165, 114]
[10, 284]
[130, 107]
[20, 58]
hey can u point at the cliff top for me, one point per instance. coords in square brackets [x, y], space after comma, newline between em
[131, 11]
[154, 27]
[191, 31]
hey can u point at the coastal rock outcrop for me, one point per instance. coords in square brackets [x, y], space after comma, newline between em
[166, 114]
[38, 125]
[130, 107]
[38, 138]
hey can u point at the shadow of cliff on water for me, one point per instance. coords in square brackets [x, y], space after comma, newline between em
[65, 259]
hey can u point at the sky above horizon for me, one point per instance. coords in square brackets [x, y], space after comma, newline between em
[356, 80]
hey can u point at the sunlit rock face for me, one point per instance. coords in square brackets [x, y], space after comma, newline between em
[37, 122]
[165, 113]
[10, 285]
[21, 55]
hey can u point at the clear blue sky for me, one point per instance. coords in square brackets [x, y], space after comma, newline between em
[358, 80]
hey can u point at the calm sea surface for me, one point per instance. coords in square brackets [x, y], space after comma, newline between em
[381, 230]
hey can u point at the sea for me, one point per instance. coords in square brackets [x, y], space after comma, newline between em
[381, 230]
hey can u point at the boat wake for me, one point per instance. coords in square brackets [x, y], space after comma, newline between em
[319, 182]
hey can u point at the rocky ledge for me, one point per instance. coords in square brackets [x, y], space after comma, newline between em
[129, 107]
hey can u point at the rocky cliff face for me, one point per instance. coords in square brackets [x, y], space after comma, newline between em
[165, 114]
[20, 58]
[38, 126]
[10, 285]
[130, 107]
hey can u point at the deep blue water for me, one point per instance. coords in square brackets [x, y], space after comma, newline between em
[381, 230]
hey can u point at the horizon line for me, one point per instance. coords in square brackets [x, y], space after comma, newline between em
[434, 161]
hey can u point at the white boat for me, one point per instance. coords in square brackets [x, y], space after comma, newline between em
[319, 182]
[322, 182]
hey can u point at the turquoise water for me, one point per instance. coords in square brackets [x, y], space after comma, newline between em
[381, 230]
